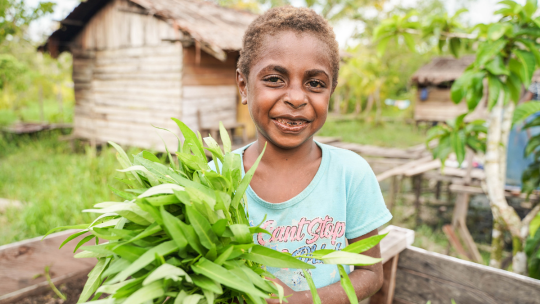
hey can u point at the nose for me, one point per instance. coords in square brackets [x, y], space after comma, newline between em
[295, 97]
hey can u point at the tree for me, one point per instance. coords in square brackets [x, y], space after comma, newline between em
[15, 16]
[507, 54]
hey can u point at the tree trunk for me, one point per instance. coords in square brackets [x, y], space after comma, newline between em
[369, 105]
[378, 104]
[503, 214]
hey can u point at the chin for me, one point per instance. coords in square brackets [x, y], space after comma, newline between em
[288, 142]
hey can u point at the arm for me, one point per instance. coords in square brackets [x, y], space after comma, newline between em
[366, 281]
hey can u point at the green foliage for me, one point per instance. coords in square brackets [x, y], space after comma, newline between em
[185, 235]
[507, 56]
[455, 136]
[16, 15]
[532, 248]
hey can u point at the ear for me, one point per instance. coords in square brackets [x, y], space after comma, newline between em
[241, 82]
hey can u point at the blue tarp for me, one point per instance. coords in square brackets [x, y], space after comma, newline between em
[516, 162]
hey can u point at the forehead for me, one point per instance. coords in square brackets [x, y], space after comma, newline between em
[294, 51]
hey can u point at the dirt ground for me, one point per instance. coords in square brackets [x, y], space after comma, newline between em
[71, 290]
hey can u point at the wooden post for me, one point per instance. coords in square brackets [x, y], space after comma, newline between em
[385, 295]
[438, 190]
[394, 184]
[459, 217]
[417, 185]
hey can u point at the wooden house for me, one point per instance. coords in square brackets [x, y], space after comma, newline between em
[433, 81]
[137, 63]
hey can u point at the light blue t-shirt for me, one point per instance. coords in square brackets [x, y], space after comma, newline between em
[343, 201]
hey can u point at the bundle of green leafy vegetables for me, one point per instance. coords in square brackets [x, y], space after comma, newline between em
[181, 234]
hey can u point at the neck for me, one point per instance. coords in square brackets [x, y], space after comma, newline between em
[276, 156]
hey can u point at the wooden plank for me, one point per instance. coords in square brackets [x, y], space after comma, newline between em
[397, 240]
[427, 276]
[377, 151]
[386, 294]
[399, 170]
[423, 168]
[21, 261]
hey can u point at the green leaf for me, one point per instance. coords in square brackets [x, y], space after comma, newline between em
[191, 138]
[205, 282]
[129, 252]
[148, 257]
[530, 7]
[525, 110]
[273, 258]
[534, 225]
[497, 67]
[455, 46]
[174, 229]
[533, 48]
[225, 277]
[129, 210]
[244, 184]
[241, 233]
[487, 50]
[533, 123]
[225, 138]
[71, 237]
[146, 293]
[83, 241]
[409, 41]
[202, 227]
[161, 189]
[193, 239]
[94, 280]
[513, 83]
[532, 145]
[458, 145]
[347, 285]
[381, 45]
[529, 63]
[81, 226]
[459, 87]
[115, 267]
[150, 157]
[349, 258]
[312, 288]
[497, 30]
[365, 244]
[192, 299]
[166, 271]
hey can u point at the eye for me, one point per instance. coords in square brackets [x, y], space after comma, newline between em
[316, 84]
[273, 79]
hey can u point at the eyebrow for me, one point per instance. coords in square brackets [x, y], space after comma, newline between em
[315, 72]
[276, 68]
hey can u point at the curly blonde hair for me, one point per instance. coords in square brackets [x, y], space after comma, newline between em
[279, 19]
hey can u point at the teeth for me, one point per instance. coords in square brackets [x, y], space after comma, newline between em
[290, 122]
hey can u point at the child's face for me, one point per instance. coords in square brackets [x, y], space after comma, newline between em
[289, 87]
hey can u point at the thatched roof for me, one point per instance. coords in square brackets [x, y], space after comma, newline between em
[441, 69]
[218, 27]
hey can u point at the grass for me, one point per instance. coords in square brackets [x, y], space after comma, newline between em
[53, 183]
[31, 113]
[387, 134]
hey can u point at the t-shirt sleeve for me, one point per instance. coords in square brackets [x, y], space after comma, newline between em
[366, 210]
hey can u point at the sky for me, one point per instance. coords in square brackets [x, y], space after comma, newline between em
[480, 11]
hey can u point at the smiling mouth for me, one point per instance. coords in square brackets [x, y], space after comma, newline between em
[290, 122]
[292, 126]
